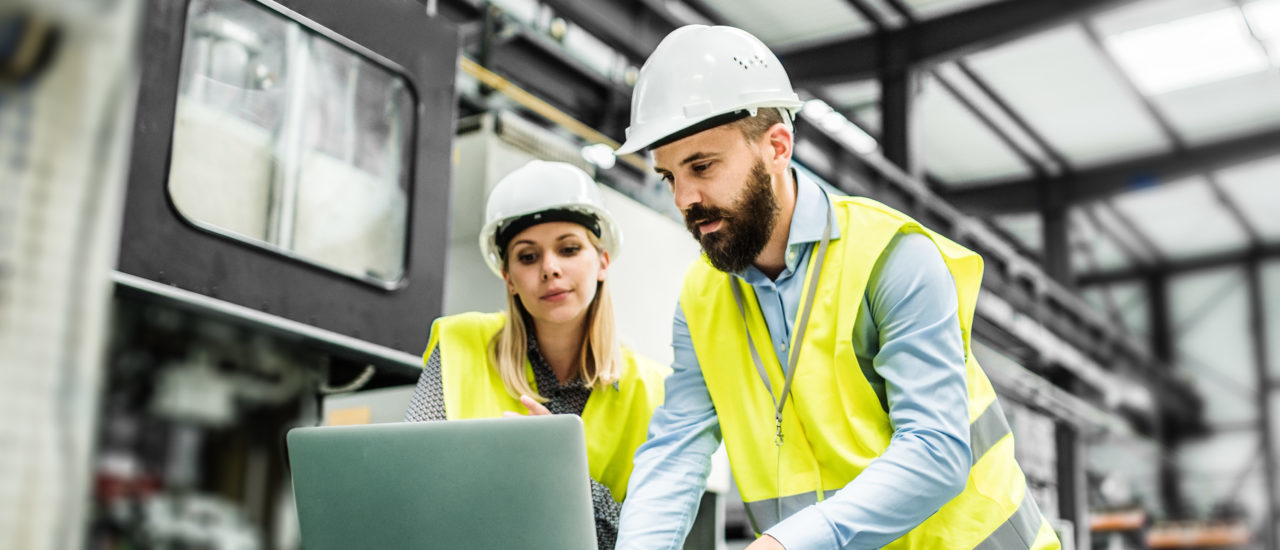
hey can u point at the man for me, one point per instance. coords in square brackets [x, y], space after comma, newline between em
[825, 339]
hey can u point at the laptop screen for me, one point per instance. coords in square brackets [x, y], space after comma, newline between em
[472, 484]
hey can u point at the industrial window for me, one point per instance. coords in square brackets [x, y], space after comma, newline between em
[290, 140]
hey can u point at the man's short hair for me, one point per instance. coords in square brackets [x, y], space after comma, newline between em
[753, 127]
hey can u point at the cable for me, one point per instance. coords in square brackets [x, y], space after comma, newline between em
[355, 384]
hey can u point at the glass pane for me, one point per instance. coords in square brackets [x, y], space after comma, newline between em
[1161, 213]
[956, 146]
[1076, 102]
[289, 140]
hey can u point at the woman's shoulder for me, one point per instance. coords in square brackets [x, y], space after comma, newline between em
[471, 320]
[465, 327]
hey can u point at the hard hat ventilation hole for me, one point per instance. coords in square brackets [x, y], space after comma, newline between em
[747, 63]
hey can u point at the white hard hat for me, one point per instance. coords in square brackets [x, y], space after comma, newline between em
[700, 77]
[541, 192]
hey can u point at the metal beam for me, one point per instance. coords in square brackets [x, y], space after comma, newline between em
[986, 119]
[1053, 230]
[1091, 212]
[1073, 490]
[867, 13]
[1161, 335]
[896, 91]
[930, 41]
[1054, 224]
[1105, 181]
[1138, 233]
[632, 28]
[1060, 163]
[1172, 267]
[551, 73]
[1258, 332]
[542, 66]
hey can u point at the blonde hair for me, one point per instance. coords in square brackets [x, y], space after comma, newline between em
[599, 357]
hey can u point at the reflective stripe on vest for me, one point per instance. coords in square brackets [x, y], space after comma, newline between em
[615, 420]
[989, 428]
[829, 384]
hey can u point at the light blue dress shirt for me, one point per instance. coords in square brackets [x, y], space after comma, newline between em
[907, 341]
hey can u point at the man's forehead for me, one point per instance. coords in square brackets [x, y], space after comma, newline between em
[707, 143]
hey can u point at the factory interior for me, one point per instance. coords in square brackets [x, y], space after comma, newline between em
[224, 219]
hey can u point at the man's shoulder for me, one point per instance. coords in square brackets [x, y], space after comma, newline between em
[867, 207]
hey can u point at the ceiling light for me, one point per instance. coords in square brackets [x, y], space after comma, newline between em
[1189, 52]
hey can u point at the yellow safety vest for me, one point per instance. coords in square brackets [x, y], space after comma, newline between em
[833, 424]
[616, 419]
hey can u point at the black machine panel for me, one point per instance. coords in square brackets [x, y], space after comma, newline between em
[161, 244]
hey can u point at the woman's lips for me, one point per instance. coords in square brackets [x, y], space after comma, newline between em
[556, 295]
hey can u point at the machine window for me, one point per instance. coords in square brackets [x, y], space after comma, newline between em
[287, 139]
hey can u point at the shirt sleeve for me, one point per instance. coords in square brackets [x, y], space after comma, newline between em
[912, 298]
[671, 468]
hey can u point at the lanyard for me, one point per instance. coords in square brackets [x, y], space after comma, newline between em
[798, 337]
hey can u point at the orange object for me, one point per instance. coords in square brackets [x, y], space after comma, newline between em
[1198, 536]
[1130, 520]
[349, 417]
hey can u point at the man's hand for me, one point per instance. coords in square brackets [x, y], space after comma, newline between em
[766, 542]
[535, 408]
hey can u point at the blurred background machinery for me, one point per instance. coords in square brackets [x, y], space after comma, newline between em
[220, 219]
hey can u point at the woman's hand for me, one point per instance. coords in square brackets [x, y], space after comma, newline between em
[535, 408]
[766, 542]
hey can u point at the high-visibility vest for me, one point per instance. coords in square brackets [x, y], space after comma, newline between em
[833, 422]
[615, 418]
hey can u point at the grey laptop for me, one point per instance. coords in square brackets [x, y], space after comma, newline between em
[466, 484]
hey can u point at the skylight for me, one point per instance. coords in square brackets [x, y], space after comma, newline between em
[1264, 18]
[1191, 51]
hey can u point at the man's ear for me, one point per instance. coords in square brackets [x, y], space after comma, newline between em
[780, 143]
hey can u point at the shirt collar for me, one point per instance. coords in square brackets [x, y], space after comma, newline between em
[810, 215]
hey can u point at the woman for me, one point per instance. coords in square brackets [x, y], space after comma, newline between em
[554, 350]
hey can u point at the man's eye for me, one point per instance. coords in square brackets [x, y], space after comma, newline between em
[699, 168]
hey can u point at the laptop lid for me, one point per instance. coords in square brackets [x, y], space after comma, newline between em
[474, 484]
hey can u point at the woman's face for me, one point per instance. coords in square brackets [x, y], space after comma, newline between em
[555, 269]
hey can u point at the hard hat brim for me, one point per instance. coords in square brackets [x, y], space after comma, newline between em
[656, 136]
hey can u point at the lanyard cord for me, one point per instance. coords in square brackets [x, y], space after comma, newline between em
[794, 356]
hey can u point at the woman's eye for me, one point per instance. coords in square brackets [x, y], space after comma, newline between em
[570, 250]
[526, 258]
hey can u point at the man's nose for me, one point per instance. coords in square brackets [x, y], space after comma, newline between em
[686, 195]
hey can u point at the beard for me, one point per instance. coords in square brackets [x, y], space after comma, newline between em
[748, 223]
